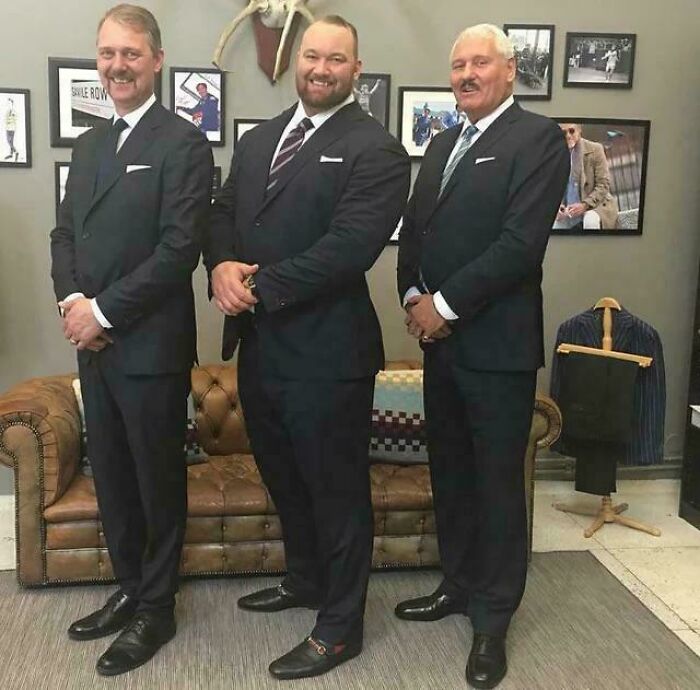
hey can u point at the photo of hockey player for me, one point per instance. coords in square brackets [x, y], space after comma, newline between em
[372, 92]
[14, 122]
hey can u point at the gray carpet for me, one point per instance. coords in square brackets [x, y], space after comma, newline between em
[577, 628]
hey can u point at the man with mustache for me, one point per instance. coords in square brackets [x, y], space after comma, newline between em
[311, 200]
[469, 274]
[123, 253]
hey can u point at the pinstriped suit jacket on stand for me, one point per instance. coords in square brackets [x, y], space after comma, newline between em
[630, 334]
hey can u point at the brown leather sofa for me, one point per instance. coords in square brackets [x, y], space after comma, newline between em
[232, 527]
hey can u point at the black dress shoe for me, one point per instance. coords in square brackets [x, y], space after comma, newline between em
[312, 658]
[487, 665]
[111, 618]
[275, 599]
[430, 608]
[137, 643]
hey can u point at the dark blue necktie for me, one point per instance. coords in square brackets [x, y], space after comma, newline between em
[108, 154]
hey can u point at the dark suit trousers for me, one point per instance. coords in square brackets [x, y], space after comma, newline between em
[136, 432]
[478, 424]
[311, 439]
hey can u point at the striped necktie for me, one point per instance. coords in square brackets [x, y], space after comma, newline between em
[463, 147]
[107, 160]
[291, 144]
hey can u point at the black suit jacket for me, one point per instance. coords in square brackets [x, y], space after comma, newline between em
[482, 243]
[314, 235]
[135, 243]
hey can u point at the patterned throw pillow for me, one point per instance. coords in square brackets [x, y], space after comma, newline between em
[398, 418]
[194, 454]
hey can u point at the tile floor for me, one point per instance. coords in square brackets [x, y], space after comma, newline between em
[662, 572]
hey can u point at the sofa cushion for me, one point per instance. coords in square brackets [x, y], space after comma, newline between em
[398, 419]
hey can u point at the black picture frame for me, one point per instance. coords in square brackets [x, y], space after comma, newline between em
[60, 173]
[15, 120]
[533, 79]
[242, 124]
[207, 114]
[625, 143]
[586, 62]
[412, 131]
[373, 93]
[77, 99]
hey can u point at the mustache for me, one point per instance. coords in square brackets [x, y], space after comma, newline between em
[121, 74]
[468, 83]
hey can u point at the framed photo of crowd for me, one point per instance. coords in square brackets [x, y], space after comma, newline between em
[77, 99]
[197, 95]
[534, 48]
[372, 91]
[424, 111]
[15, 119]
[605, 192]
[599, 60]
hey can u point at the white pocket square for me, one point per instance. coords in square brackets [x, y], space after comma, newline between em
[484, 160]
[330, 159]
[134, 168]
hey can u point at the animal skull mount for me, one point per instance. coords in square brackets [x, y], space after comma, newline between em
[275, 23]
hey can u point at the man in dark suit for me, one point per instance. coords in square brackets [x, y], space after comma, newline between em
[312, 198]
[470, 268]
[127, 240]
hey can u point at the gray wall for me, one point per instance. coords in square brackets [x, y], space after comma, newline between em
[653, 275]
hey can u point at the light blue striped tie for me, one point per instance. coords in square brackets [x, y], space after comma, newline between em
[463, 147]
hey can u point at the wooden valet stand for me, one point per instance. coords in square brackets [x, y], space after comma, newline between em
[608, 512]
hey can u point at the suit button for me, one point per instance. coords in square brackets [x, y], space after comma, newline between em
[257, 222]
[86, 235]
[283, 303]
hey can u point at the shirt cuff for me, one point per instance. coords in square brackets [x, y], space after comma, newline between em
[99, 315]
[70, 298]
[411, 292]
[443, 308]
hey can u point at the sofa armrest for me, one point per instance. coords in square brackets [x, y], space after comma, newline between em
[40, 435]
[546, 421]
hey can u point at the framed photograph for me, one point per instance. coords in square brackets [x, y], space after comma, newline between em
[77, 99]
[534, 48]
[425, 111]
[16, 139]
[372, 92]
[595, 60]
[197, 95]
[60, 178]
[241, 125]
[605, 194]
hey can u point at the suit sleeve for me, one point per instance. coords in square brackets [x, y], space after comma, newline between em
[185, 202]
[219, 235]
[408, 262]
[63, 243]
[365, 217]
[537, 185]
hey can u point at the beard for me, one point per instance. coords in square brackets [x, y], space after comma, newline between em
[321, 102]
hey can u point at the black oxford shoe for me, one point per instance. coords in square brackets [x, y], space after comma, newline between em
[487, 665]
[111, 618]
[137, 643]
[274, 599]
[312, 658]
[430, 608]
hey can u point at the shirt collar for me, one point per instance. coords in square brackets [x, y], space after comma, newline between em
[132, 118]
[319, 118]
[485, 122]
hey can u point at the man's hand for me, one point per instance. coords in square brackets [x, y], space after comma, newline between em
[80, 326]
[100, 343]
[231, 295]
[576, 210]
[424, 321]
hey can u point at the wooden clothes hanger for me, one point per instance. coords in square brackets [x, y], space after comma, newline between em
[607, 512]
[607, 303]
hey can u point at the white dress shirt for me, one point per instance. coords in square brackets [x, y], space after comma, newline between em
[482, 125]
[317, 120]
[131, 119]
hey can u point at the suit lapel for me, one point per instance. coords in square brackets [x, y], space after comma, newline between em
[141, 138]
[495, 131]
[438, 160]
[332, 129]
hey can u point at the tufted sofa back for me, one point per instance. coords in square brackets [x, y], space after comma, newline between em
[218, 412]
